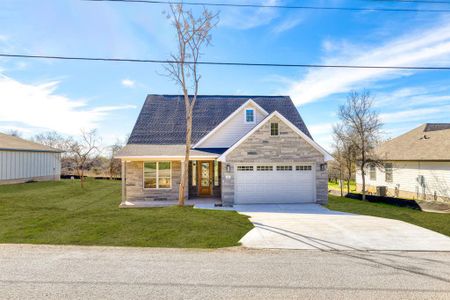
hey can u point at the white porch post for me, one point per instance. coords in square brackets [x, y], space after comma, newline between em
[124, 180]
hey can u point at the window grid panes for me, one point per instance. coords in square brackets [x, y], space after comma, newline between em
[388, 172]
[157, 175]
[373, 172]
[273, 129]
[264, 168]
[249, 115]
[303, 168]
[284, 168]
[245, 168]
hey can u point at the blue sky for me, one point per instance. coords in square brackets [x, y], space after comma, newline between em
[66, 96]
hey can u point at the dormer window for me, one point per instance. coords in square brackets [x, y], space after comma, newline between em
[250, 115]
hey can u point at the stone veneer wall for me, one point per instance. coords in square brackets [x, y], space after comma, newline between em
[261, 147]
[134, 183]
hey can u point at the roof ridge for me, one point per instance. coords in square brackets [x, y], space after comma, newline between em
[222, 96]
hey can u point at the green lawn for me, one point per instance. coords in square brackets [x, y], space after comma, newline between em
[335, 186]
[62, 213]
[434, 221]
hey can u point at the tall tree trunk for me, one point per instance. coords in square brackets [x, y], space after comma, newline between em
[363, 183]
[185, 168]
[82, 177]
[340, 182]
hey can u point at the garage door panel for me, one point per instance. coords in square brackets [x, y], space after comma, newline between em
[296, 186]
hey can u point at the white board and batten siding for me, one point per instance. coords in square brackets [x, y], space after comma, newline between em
[233, 130]
[29, 165]
[405, 174]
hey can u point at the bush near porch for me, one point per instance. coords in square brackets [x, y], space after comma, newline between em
[62, 213]
[434, 221]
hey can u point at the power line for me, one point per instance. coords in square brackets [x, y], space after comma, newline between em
[278, 6]
[219, 63]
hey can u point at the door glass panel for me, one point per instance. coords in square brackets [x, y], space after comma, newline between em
[205, 174]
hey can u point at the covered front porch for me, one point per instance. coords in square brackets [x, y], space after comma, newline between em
[154, 180]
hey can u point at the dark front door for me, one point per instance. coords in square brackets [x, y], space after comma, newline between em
[205, 169]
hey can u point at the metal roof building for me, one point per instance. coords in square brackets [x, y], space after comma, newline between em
[23, 161]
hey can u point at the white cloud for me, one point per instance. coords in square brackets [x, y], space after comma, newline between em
[426, 47]
[414, 114]
[287, 24]
[247, 18]
[128, 83]
[321, 129]
[40, 107]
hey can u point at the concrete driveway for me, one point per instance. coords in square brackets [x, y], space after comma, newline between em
[311, 226]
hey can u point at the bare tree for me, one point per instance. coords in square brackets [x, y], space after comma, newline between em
[339, 165]
[114, 164]
[52, 139]
[83, 151]
[363, 125]
[14, 132]
[193, 34]
[345, 150]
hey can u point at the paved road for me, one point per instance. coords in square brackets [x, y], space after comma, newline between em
[66, 272]
[312, 226]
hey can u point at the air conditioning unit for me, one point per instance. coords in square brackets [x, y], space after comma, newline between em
[382, 191]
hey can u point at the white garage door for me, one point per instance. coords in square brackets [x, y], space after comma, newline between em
[280, 183]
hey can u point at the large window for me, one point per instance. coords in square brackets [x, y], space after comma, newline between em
[389, 177]
[274, 129]
[250, 116]
[372, 172]
[157, 175]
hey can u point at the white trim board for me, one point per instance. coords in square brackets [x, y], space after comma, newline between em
[327, 156]
[221, 124]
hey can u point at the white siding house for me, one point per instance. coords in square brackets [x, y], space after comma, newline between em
[416, 165]
[22, 161]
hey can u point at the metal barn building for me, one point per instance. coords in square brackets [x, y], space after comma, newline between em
[22, 161]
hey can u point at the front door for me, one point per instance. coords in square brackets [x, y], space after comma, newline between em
[205, 177]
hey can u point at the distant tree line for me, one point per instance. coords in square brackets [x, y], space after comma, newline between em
[84, 155]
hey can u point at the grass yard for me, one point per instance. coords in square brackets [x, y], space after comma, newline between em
[434, 221]
[335, 186]
[63, 213]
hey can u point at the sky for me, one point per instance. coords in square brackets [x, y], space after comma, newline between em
[67, 96]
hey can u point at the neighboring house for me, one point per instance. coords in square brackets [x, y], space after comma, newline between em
[246, 149]
[416, 164]
[22, 161]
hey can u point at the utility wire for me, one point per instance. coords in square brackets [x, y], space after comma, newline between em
[221, 63]
[278, 6]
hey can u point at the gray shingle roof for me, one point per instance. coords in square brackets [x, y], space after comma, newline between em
[162, 118]
[430, 141]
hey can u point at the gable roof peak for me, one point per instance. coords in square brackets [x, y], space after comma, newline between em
[161, 120]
